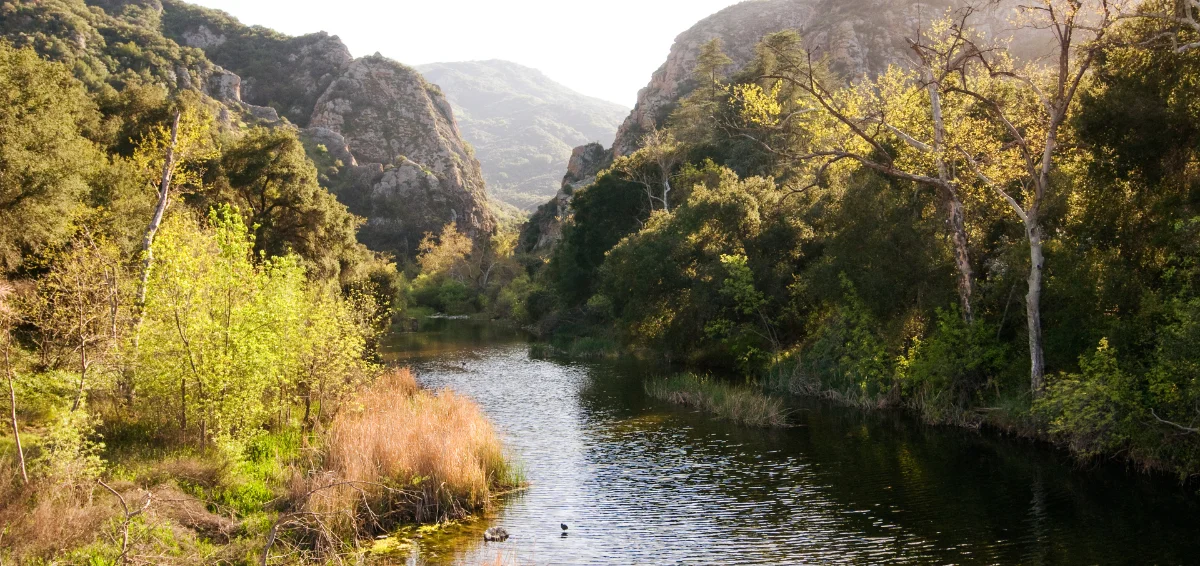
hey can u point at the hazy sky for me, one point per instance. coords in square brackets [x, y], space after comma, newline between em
[607, 49]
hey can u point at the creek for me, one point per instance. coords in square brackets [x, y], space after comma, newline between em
[642, 482]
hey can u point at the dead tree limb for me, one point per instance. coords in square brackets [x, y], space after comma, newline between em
[129, 516]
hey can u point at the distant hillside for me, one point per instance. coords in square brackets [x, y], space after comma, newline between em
[522, 124]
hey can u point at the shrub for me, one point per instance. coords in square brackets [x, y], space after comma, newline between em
[846, 356]
[454, 298]
[1096, 410]
[944, 373]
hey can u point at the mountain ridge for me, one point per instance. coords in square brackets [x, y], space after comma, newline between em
[522, 124]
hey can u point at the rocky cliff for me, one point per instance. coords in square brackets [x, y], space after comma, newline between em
[427, 175]
[522, 124]
[544, 228]
[394, 151]
[860, 37]
[286, 73]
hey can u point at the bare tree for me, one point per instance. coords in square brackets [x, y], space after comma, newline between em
[8, 319]
[1079, 29]
[123, 558]
[862, 132]
[652, 166]
[164, 198]
[1180, 26]
[1188, 9]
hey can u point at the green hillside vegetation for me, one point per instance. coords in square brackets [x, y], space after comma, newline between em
[522, 124]
[289, 84]
[188, 322]
[832, 238]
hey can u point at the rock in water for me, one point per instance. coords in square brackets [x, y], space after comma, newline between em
[495, 534]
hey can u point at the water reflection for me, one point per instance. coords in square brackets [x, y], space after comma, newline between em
[642, 482]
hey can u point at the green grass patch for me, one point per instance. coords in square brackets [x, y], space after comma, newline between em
[737, 403]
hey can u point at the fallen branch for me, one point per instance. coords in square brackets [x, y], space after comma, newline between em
[124, 558]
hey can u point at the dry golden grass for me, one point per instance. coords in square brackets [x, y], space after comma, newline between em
[39, 520]
[406, 455]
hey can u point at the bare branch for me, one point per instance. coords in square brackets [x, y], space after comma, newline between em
[123, 558]
[1186, 429]
[1017, 208]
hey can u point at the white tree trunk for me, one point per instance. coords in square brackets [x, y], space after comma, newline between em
[1033, 307]
[962, 255]
[164, 194]
[12, 403]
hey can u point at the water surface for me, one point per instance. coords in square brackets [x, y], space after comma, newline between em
[641, 482]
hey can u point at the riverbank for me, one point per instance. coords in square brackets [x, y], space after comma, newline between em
[841, 485]
[1015, 416]
[395, 455]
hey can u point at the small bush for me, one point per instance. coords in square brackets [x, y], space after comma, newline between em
[1096, 410]
[847, 356]
[945, 373]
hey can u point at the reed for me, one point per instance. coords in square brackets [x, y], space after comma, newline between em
[737, 403]
[404, 454]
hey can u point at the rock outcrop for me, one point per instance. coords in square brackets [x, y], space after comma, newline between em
[859, 37]
[397, 156]
[544, 228]
[389, 114]
[287, 73]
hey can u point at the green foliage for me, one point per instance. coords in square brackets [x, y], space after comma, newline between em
[268, 176]
[847, 354]
[1096, 410]
[604, 213]
[68, 452]
[948, 371]
[739, 404]
[695, 282]
[227, 343]
[47, 161]
[104, 50]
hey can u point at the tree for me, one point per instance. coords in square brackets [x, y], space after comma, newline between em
[45, 161]
[898, 124]
[81, 303]
[447, 255]
[268, 176]
[709, 65]
[1177, 22]
[8, 320]
[1028, 105]
[220, 331]
[651, 166]
[602, 214]
[171, 156]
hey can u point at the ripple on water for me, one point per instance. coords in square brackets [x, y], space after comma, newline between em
[642, 483]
